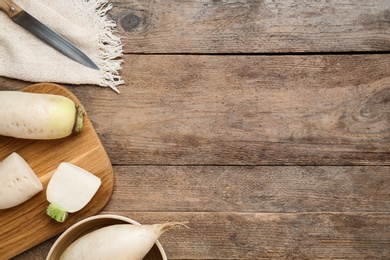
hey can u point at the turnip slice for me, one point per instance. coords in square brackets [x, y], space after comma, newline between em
[38, 116]
[69, 190]
[121, 241]
[18, 182]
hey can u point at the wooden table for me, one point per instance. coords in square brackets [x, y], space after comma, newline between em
[265, 124]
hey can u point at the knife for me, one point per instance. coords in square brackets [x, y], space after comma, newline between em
[27, 21]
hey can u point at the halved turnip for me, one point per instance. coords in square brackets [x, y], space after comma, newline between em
[18, 182]
[69, 190]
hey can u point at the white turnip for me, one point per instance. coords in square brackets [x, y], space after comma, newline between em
[120, 241]
[18, 182]
[38, 116]
[69, 190]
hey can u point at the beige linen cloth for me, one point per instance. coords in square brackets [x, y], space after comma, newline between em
[84, 23]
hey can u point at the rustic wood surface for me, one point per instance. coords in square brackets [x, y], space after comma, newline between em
[265, 124]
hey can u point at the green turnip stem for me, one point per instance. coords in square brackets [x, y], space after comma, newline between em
[56, 212]
[79, 122]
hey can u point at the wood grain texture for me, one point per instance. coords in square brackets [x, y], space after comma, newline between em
[265, 189]
[229, 235]
[27, 225]
[246, 110]
[237, 117]
[253, 26]
[275, 236]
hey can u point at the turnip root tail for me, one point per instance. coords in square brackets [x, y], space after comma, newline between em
[79, 122]
[170, 225]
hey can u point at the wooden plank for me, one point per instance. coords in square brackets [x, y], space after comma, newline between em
[253, 26]
[250, 189]
[254, 236]
[229, 235]
[246, 110]
[12, 84]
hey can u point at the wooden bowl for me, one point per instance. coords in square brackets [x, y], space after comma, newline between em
[90, 224]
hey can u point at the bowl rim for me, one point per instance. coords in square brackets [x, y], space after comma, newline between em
[102, 216]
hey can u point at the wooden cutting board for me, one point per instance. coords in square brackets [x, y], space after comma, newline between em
[27, 225]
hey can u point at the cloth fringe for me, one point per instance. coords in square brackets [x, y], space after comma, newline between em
[110, 45]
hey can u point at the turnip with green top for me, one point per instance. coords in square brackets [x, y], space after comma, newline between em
[69, 190]
[38, 116]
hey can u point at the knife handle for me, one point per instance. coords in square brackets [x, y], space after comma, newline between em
[10, 8]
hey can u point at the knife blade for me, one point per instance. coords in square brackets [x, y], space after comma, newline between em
[44, 33]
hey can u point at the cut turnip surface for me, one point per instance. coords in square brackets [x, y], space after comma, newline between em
[18, 182]
[69, 190]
